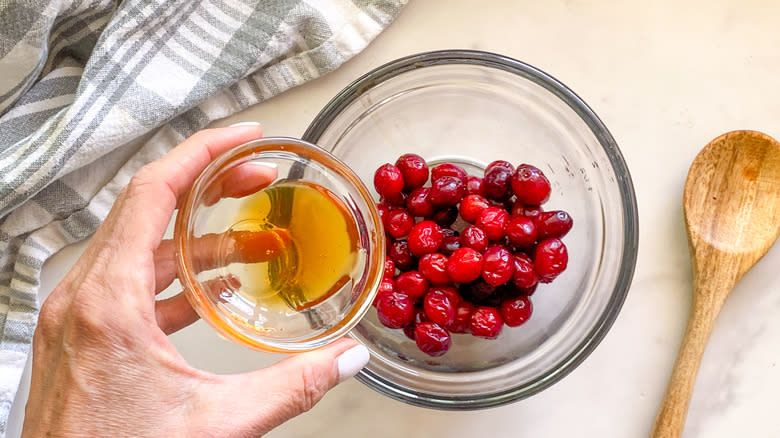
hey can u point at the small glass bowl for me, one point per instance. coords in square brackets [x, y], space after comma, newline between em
[470, 108]
[217, 283]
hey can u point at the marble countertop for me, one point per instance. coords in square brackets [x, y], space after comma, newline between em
[665, 77]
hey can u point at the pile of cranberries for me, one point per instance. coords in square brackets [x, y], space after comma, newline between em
[465, 253]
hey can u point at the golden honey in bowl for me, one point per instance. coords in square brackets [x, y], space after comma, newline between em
[302, 243]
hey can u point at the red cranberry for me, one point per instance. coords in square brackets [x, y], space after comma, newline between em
[464, 265]
[530, 185]
[497, 183]
[419, 316]
[521, 231]
[425, 237]
[475, 185]
[383, 210]
[445, 217]
[412, 283]
[388, 180]
[389, 241]
[447, 191]
[493, 222]
[402, 257]
[529, 211]
[399, 223]
[500, 163]
[397, 200]
[498, 265]
[553, 224]
[474, 237]
[389, 267]
[448, 169]
[462, 319]
[448, 232]
[449, 245]
[472, 206]
[394, 309]
[451, 292]
[419, 202]
[432, 339]
[550, 259]
[516, 311]
[413, 169]
[434, 267]
[385, 287]
[525, 276]
[439, 308]
[486, 322]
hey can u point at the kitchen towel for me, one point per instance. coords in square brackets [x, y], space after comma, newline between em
[91, 90]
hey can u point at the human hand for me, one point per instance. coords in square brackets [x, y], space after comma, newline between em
[102, 363]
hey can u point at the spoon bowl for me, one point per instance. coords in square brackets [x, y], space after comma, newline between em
[732, 213]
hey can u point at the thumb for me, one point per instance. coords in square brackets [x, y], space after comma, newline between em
[273, 395]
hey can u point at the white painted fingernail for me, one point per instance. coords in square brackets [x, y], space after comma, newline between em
[244, 124]
[352, 361]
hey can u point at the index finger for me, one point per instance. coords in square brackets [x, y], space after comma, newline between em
[154, 191]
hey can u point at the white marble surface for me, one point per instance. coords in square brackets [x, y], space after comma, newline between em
[666, 77]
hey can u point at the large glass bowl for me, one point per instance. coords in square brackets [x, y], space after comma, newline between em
[471, 108]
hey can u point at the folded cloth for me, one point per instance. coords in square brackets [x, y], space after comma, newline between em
[90, 90]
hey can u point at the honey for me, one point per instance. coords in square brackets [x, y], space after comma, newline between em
[298, 244]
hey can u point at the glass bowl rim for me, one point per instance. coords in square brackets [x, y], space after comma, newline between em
[202, 305]
[622, 178]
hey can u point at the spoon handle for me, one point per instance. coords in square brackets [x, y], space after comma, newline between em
[674, 407]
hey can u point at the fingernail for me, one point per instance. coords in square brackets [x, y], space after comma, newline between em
[352, 361]
[244, 124]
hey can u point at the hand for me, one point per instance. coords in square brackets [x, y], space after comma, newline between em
[102, 364]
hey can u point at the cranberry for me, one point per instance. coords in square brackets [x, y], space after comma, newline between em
[550, 259]
[419, 316]
[439, 308]
[413, 169]
[399, 223]
[475, 185]
[394, 309]
[431, 338]
[388, 244]
[448, 232]
[383, 210]
[388, 180]
[530, 185]
[525, 276]
[521, 231]
[462, 319]
[474, 237]
[448, 169]
[445, 217]
[402, 257]
[449, 245]
[389, 267]
[472, 206]
[412, 283]
[516, 311]
[434, 267]
[529, 211]
[497, 183]
[419, 202]
[500, 163]
[493, 221]
[553, 224]
[451, 292]
[398, 200]
[486, 322]
[447, 191]
[478, 291]
[498, 265]
[385, 287]
[425, 237]
[464, 265]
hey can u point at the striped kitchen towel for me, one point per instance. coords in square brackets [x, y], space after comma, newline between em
[90, 90]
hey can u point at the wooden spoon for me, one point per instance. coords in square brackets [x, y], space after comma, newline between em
[732, 212]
